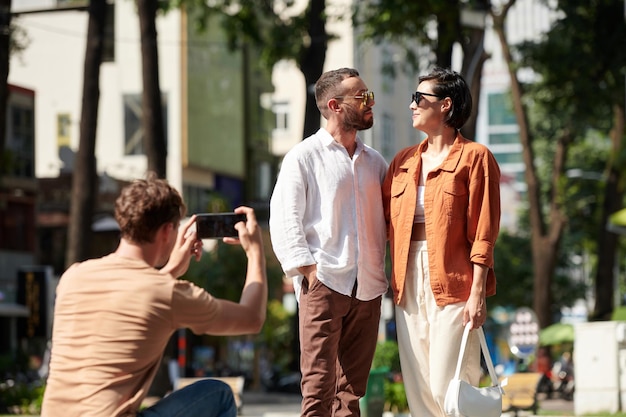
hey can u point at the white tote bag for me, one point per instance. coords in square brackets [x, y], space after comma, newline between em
[465, 400]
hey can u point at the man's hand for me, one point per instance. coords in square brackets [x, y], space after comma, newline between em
[250, 237]
[309, 272]
[187, 245]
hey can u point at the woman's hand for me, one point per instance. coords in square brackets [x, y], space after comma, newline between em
[475, 310]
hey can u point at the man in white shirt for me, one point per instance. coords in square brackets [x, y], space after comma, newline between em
[328, 231]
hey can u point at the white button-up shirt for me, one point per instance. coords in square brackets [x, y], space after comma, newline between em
[326, 209]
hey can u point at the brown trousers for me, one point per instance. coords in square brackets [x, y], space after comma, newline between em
[338, 336]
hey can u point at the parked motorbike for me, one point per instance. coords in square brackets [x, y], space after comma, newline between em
[563, 385]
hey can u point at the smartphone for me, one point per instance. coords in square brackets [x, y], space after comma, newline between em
[218, 225]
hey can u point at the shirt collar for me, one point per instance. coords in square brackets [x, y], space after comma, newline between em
[451, 161]
[454, 156]
[327, 140]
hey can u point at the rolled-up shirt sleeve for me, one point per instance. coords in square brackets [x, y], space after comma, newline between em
[484, 210]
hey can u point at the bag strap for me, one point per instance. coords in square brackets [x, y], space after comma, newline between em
[485, 352]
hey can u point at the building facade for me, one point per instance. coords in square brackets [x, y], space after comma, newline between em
[217, 131]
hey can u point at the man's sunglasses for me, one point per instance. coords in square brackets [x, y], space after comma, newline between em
[417, 96]
[367, 97]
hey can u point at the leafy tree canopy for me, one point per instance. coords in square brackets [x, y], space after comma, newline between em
[433, 25]
[280, 29]
[581, 63]
[514, 272]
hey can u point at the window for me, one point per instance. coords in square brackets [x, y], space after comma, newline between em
[21, 141]
[17, 229]
[387, 146]
[108, 43]
[63, 129]
[281, 110]
[196, 198]
[388, 71]
[501, 110]
[133, 127]
[503, 138]
[508, 157]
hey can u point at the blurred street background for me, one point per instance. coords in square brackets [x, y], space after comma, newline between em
[215, 101]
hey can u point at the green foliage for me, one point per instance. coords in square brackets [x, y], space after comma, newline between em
[619, 314]
[222, 272]
[514, 273]
[216, 202]
[277, 335]
[15, 363]
[409, 24]
[387, 356]
[7, 361]
[19, 40]
[575, 91]
[404, 23]
[7, 161]
[279, 29]
[21, 398]
[395, 20]
[395, 397]
[581, 62]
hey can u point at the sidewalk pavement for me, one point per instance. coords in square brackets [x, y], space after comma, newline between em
[272, 404]
[556, 405]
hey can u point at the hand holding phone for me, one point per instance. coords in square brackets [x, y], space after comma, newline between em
[218, 225]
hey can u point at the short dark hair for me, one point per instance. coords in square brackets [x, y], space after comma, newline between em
[327, 85]
[448, 83]
[145, 205]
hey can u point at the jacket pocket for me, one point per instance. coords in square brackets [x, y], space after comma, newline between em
[397, 192]
[455, 199]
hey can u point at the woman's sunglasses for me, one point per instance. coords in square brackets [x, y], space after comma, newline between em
[417, 96]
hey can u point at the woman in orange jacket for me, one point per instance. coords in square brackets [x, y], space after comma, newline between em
[442, 207]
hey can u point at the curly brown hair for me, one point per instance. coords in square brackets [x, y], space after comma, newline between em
[145, 205]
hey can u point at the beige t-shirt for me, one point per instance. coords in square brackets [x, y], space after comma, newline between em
[113, 317]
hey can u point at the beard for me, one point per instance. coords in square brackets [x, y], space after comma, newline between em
[355, 120]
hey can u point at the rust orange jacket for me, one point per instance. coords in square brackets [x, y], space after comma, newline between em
[462, 211]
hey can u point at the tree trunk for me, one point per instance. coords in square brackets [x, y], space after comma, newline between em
[451, 29]
[312, 64]
[544, 256]
[607, 241]
[448, 26]
[607, 245]
[154, 134]
[5, 36]
[545, 238]
[84, 177]
[474, 57]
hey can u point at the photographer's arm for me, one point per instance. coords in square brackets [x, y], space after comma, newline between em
[247, 316]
